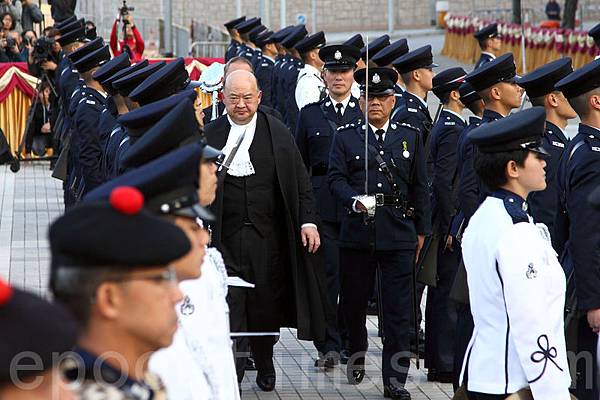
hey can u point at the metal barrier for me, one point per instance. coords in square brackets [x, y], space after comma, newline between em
[208, 49]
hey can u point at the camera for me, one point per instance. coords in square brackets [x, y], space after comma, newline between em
[10, 42]
[42, 50]
[124, 10]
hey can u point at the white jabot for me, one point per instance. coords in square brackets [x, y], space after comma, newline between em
[241, 164]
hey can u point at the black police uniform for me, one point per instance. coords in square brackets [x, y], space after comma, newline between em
[489, 31]
[317, 125]
[264, 74]
[388, 241]
[414, 111]
[232, 49]
[578, 177]
[543, 204]
[288, 77]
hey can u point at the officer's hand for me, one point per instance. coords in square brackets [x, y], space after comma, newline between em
[310, 237]
[593, 317]
[46, 128]
[449, 244]
[420, 241]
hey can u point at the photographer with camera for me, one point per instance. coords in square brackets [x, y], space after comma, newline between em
[132, 41]
[39, 135]
[9, 46]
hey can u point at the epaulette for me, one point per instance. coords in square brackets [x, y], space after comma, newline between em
[347, 126]
[404, 124]
[593, 142]
[449, 123]
[516, 212]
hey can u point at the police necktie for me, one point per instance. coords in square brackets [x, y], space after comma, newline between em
[379, 134]
[339, 110]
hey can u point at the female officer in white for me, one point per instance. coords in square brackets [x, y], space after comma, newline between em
[516, 285]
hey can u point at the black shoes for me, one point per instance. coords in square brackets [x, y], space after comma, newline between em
[266, 382]
[396, 393]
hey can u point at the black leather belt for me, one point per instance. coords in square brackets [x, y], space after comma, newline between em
[383, 200]
[319, 169]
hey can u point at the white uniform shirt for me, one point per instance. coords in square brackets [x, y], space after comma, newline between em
[517, 295]
[200, 362]
[309, 87]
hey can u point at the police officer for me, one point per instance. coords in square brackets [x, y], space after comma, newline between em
[496, 84]
[236, 41]
[256, 50]
[86, 145]
[283, 57]
[464, 320]
[288, 77]
[310, 86]
[489, 43]
[416, 70]
[264, 70]
[374, 46]
[516, 284]
[577, 177]
[117, 133]
[383, 228]
[128, 274]
[539, 86]
[357, 41]
[385, 57]
[440, 313]
[244, 29]
[31, 325]
[115, 104]
[317, 126]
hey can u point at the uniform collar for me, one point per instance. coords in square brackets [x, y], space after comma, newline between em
[344, 102]
[385, 127]
[474, 119]
[489, 115]
[416, 97]
[589, 130]
[556, 131]
[515, 205]
[489, 54]
[268, 58]
[457, 115]
[310, 69]
[93, 365]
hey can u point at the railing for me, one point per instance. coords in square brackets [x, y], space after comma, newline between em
[208, 49]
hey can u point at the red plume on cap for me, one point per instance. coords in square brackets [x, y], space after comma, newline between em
[127, 200]
[6, 292]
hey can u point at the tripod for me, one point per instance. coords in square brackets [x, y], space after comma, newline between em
[34, 105]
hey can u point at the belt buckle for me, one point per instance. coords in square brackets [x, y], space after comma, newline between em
[379, 199]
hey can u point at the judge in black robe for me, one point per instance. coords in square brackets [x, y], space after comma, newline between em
[257, 227]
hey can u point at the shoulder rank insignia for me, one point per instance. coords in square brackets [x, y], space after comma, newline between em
[558, 144]
[449, 123]
[413, 110]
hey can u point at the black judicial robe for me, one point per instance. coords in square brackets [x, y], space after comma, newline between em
[307, 271]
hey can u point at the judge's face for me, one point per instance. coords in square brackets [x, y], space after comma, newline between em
[242, 96]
